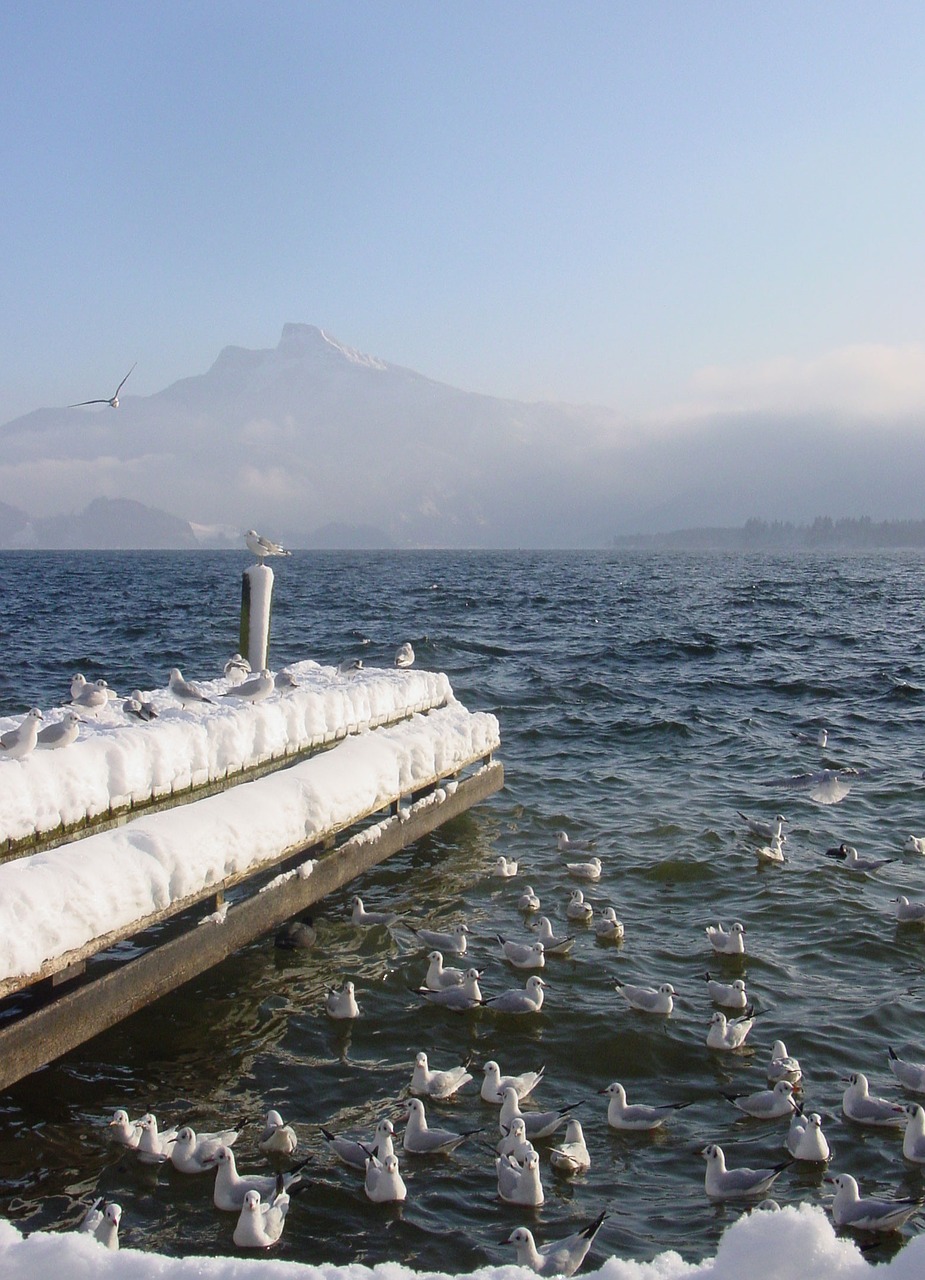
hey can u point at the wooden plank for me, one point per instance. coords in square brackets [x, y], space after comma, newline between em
[75, 1017]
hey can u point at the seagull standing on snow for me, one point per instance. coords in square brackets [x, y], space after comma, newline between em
[61, 734]
[262, 547]
[559, 1257]
[236, 669]
[404, 656]
[183, 689]
[113, 400]
[256, 689]
[20, 742]
[137, 707]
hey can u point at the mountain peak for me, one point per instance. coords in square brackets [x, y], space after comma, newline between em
[306, 339]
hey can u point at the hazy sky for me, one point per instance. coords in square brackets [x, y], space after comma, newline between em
[648, 205]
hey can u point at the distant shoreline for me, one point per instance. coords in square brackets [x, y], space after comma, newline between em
[853, 534]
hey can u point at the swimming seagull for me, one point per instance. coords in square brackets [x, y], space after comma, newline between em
[495, 1083]
[805, 1139]
[516, 1143]
[354, 1153]
[527, 1000]
[727, 942]
[559, 1257]
[262, 547]
[528, 901]
[404, 656]
[259, 1225]
[766, 1104]
[911, 1075]
[113, 400]
[231, 1187]
[772, 852]
[384, 1183]
[458, 998]
[914, 844]
[783, 1065]
[278, 1138]
[909, 912]
[20, 742]
[125, 1131]
[860, 1106]
[608, 928]
[571, 1155]
[731, 995]
[60, 734]
[868, 1213]
[578, 909]
[103, 1224]
[522, 955]
[341, 1005]
[154, 1146]
[452, 940]
[818, 739]
[648, 999]
[849, 858]
[419, 1139]
[190, 1151]
[638, 1116]
[187, 692]
[428, 1083]
[914, 1137]
[506, 868]
[736, 1184]
[520, 1183]
[590, 870]
[537, 1124]
[566, 845]
[437, 977]
[360, 916]
[553, 945]
[760, 827]
[728, 1034]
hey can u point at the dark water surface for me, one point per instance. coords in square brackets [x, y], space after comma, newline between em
[643, 699]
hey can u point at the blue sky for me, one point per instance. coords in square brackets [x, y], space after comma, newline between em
[655, 206]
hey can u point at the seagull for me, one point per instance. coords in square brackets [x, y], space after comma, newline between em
[349, 665]
[848, 857]
[537, 1124]
[103, 1224]
[452, 941]
[528, 901]
[553, 945]
[341, 1005]
[384, 1183]
[458, 998]
[256, 689]
[731, 995]
[727, 942]
[260, 1225]
[113, 400]
[90, 697]
[154, 1146]
[773, 852]
[736, 1184]
[766, 1104]
[231, 1187]
[759, 827]
[427, 1083]
[505, 867]
[571, 1156]
[911, 1075]
[262, 547]
[520, 1183]
[578, 909]
[805, 1139]
[914, 844]
[495, 1083]
[648, 999]
[590, 870]
[859, 1106]
[515, 1142]
[404, 656]
[285, 679]
[20, 742]
[277, 1138]
[437, 978]
[60, 734]
[420, 1140]
[624, 1115]
[826, 786]
[190, 1151]
[236, 669]
[783, 1065]
[522, 955]
[728, 1033]
[608, 928]
[355, 1154]
[566, 845]
[914, 1137]
[908, 912]
[528, 1000]
[818, 739]
[868, 1213]
[559, 1257]
[360, 916]
[183, 689]
[137, 707]
[125, 1131]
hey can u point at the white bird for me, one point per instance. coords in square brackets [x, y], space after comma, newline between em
[805, 1139]
[736, 1184]
[360, 916]
[125, 1131]
[522, 955]
[766, 1104]
[773, 852]
[849, 858]
[728, 1033]
[92, 1218]
[731, 995]
[553, 944]
[191, 1152]
[566, 845]
[278, 1138]
[911, 1075]
[494, 1083]
[818, 739]
[20, 742]
[760, 827]
[624, 1115]
[520, 1183]
[608, 928]
[909, 912]
[428, 1083]
[727, 942]
[783, 1065]
[384, 1183]
[137, 706]
[437, 977]
[342, 1005]
[256, 689]
[451, 941]
[537, 1124]
[505, 868]
[60, 734]
[859, 1105]
[648, 999]
[468, 995]
[518, 1001]
[420, 1139]
[515, 1142]
[914, 844]
[868, 1213]
[262, 547]
[528, 901]
[404, 656]
[78, 685]
[231, 1187]
[590, 870]
[285, 679]
[92, 697]
[348, 666]
[914, 1137]
[154, 1146]
[577, 909]
[354, 1153]
[559, 1257]
[103, 1224]
[188, 693]
[571, 1155]
[236, 669]
[260, 1225]
[113, 400]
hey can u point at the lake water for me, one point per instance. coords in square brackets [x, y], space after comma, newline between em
[643, 701]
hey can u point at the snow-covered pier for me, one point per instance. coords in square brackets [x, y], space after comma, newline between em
[247, 812]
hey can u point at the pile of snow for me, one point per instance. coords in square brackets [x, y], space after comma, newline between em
[118, 761]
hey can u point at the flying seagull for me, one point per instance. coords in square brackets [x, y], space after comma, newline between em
[113, 402]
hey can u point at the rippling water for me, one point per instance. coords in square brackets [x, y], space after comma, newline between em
[643, 700]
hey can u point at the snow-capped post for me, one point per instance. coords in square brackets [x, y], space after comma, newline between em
[256, 596]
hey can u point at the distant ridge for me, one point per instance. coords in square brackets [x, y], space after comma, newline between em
[846, 534]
